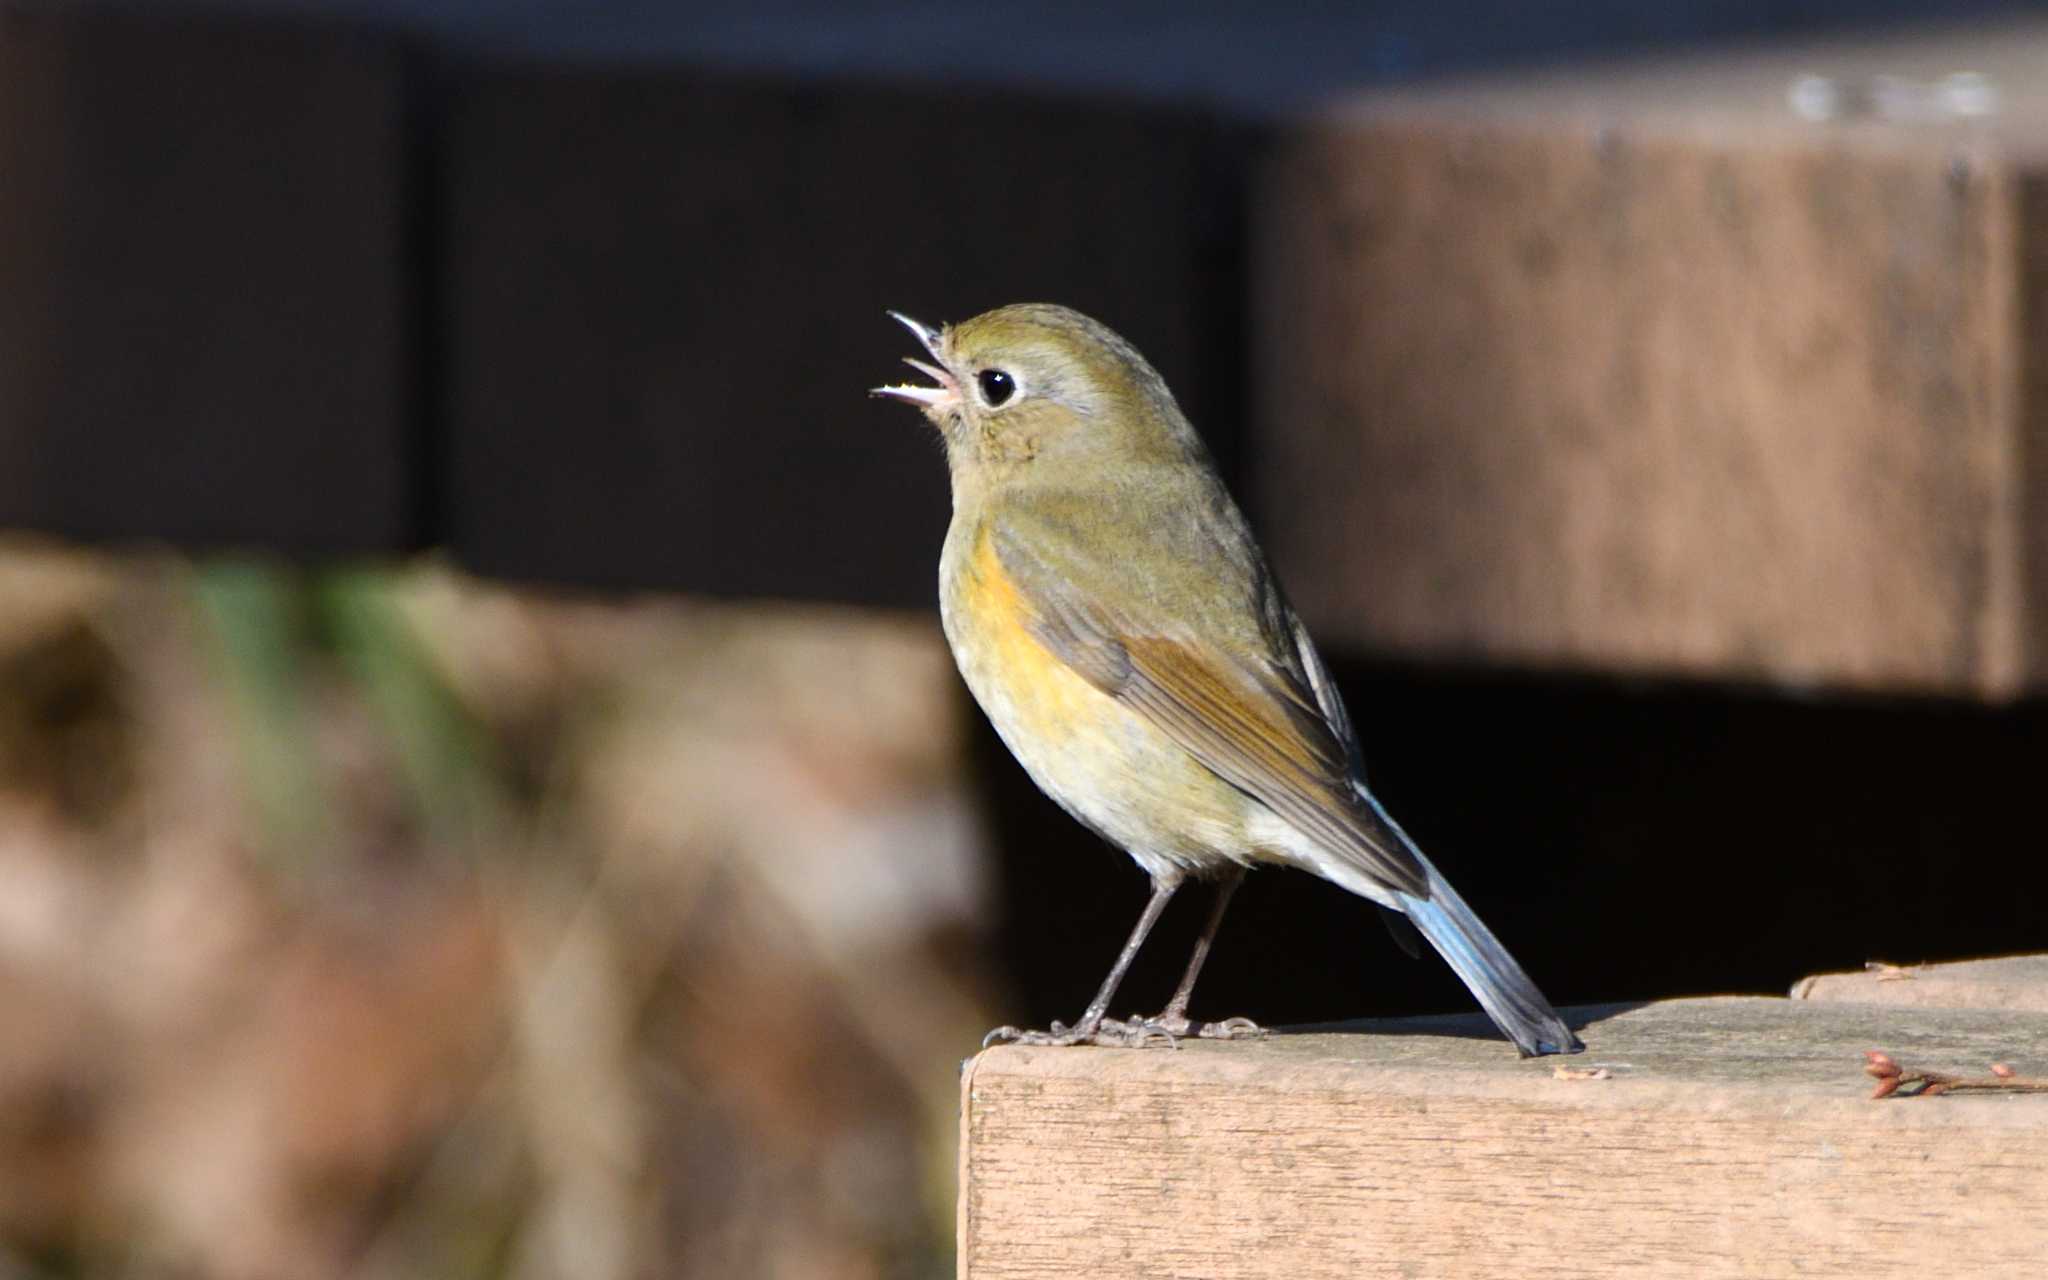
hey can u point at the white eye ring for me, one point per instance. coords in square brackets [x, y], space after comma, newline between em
[995, 388]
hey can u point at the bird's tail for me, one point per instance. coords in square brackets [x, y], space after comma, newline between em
[1507, 994]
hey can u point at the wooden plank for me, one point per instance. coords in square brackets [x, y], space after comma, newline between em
[202, 327]
[1734, 1137]
[1637, 370]
[2008, 982]
[665, 302]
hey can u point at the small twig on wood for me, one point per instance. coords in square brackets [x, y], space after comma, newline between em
[1890, 972]
[1893, 1079]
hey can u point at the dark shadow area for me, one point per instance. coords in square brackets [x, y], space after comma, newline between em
[205, 283]
[707, 344]
[1628, 842]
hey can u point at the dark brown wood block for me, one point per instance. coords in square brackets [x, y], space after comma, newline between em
[1639, 371]
[201, 320]
[665, 298]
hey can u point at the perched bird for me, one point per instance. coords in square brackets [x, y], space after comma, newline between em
[1112, 614]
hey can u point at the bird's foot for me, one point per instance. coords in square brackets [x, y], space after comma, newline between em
[1229, 1029]
[1179, 1027]
[1130, 1033]
[1110, 1033]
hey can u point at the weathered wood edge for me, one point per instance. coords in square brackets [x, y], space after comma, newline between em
[1709, 1050]
[2014, 983]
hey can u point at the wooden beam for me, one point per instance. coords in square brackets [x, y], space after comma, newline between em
[1729, 1137]
[1639, 369]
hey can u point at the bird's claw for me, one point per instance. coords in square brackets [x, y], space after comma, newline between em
[1058, 1036]
[1018, 1035]
[1232, 1029]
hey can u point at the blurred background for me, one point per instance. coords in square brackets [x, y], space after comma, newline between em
[482, 789]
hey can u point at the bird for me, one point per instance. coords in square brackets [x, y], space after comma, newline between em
[1113, 615]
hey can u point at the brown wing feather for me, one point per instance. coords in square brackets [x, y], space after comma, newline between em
[1253, 724]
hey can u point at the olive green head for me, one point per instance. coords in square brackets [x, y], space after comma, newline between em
[1040, 388]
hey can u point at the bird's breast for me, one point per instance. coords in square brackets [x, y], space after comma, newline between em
[1103, 762]
[1023, 686]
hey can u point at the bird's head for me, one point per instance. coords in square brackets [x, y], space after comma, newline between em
[1036, 390]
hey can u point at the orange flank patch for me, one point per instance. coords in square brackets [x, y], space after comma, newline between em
[1047, 698]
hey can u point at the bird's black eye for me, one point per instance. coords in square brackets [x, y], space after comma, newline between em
[996, 387]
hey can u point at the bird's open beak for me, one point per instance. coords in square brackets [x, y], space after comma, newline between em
[943, 396]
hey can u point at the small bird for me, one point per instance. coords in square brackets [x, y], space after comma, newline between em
[1112, 614]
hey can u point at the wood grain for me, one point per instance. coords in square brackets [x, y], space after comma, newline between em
[1735, 1137]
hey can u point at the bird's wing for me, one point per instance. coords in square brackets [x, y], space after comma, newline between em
[1224, 698]
[1332, 703]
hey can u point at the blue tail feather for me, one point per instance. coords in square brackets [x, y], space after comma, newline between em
[1507, 994]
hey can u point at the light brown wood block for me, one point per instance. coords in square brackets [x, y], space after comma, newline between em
[1733, 1137]
[1641, 370]
[2008, 982]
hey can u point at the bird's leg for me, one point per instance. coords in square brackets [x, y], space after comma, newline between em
[1177, 1008]
[1174, 1022]
[1093, 1027]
